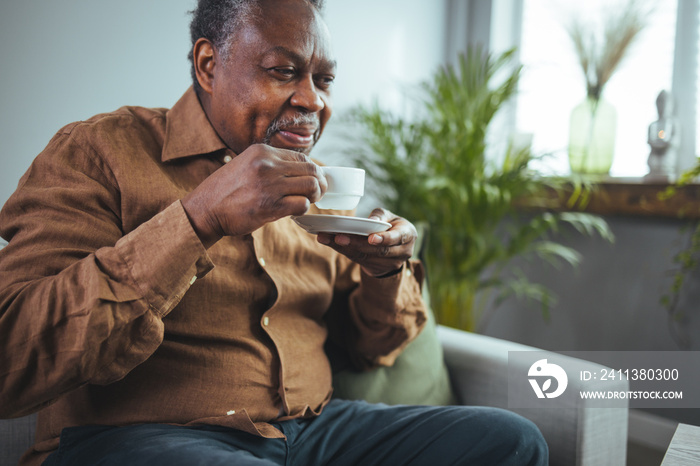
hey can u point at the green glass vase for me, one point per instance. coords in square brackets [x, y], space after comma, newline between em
[592, 137]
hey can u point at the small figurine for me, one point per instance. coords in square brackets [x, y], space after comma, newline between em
[663, 137]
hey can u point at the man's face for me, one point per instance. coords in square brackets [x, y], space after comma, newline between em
[275, 85]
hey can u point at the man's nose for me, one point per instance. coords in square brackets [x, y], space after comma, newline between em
[306, 96]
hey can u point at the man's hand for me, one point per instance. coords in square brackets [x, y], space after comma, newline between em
[380, 253]
[260, 185]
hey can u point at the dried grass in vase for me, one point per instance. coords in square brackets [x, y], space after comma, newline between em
[601, 52]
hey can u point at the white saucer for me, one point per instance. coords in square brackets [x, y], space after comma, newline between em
[316, 223]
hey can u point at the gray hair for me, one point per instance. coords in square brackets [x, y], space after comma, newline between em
[218, 20]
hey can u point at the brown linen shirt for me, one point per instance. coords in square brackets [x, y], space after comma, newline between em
[112, 312]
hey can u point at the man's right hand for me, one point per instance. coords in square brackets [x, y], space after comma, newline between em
[260, 185]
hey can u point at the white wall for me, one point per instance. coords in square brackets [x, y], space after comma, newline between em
[68, 60]
[384, 46]
[383, 50]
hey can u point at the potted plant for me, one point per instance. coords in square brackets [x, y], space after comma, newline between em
[432, 169]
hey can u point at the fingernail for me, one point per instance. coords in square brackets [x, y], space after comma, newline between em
[342, 240]
[376, 239]
[323, 239]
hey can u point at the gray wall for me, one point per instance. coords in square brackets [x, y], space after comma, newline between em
[611, 302]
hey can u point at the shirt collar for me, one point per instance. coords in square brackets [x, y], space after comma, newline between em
[188, 131]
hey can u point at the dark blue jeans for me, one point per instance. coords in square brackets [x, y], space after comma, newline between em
[347, 433]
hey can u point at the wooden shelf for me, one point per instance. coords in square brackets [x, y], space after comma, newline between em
[637, 197]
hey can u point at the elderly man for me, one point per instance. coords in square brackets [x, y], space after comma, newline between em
[160, 307]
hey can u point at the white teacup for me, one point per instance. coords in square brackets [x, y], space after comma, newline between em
[346, 186]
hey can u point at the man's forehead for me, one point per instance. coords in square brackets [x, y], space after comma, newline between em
[292, 55]
[295, 35]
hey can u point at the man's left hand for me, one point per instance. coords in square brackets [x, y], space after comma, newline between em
[380, 253]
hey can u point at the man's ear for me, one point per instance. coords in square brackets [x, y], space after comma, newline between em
[204, 63]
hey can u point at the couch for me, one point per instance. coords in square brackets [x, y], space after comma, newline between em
[577, 434]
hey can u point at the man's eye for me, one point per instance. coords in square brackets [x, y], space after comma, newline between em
[325, 80]
[284, 72]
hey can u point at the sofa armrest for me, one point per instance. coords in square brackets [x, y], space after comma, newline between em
[577, 434]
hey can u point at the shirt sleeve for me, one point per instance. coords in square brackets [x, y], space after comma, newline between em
[381, 317]
[80, 301]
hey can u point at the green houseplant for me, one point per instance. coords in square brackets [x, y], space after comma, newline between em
[685, 262]
[432, 169]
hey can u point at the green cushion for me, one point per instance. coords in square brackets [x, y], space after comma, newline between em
[418, 377]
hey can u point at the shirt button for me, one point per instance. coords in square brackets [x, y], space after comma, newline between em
[227, 158]
[266, 321]
[228, 413]
[193, 279]
[262, 262]
[408, 272]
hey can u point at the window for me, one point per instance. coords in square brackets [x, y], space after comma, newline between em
[664, 57]
[552, 83]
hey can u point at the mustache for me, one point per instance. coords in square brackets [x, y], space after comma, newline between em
[300, 119]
